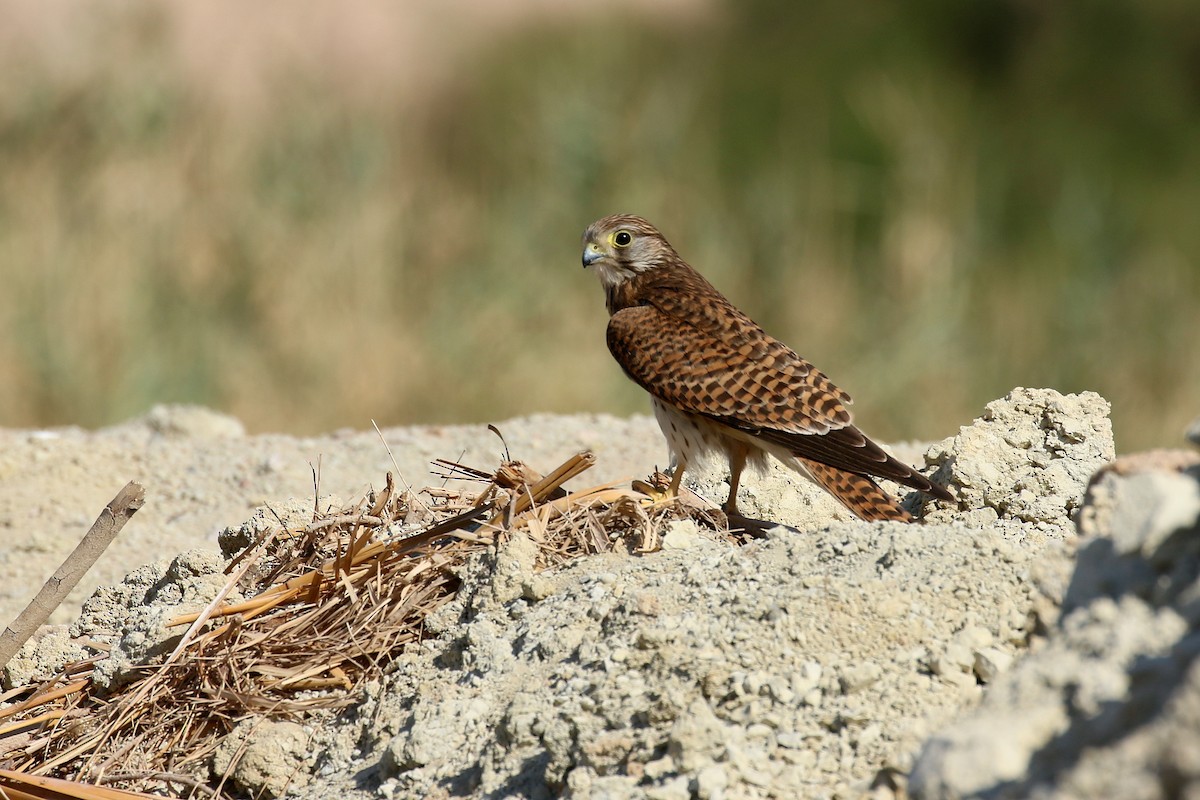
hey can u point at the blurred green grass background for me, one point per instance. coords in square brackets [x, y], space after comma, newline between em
[313, 215]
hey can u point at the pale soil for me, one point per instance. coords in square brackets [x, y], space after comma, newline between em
[992, 651]
[202, 474]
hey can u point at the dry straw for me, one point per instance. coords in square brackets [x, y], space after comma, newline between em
[329, 605]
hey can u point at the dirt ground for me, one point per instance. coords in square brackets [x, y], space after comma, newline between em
[202, 473]
[1039, 639]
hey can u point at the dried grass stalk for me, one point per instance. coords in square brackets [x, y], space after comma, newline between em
[19, 786]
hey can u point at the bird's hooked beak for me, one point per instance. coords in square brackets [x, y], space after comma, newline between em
[591, 254]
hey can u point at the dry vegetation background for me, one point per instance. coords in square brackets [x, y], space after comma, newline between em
[312, 214]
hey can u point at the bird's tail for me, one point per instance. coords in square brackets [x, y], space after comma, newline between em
[857, 492]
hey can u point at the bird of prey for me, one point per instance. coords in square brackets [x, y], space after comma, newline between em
[721, 385]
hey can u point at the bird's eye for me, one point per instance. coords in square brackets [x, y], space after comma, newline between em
[622, 238]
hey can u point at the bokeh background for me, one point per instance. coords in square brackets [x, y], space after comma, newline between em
[314, 214]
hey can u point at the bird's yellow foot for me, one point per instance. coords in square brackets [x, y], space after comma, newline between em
[657, 487]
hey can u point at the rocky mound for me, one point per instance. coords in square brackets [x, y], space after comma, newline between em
[990, 651]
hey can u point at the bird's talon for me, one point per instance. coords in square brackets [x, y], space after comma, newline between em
[657, 487]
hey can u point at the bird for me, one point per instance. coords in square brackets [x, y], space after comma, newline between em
[721, 385]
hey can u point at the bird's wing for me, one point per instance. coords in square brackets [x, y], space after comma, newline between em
[703, 356]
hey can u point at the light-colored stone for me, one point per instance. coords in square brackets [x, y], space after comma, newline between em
[990, 662]
[263, 757]
[1029, 457]
[682, 535]
[46, 652]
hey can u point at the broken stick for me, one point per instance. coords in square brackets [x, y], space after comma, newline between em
[67, 576]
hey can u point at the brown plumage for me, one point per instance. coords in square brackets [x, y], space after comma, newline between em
[720, 384]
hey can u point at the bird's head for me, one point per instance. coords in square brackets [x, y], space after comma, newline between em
[622, 246]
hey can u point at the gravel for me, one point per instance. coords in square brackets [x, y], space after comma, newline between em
[1038, 638]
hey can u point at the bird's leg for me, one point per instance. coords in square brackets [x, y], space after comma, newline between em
[653, 486]
[737, 462]
[676, 479]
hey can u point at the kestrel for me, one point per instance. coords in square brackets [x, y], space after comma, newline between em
[721, 385]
